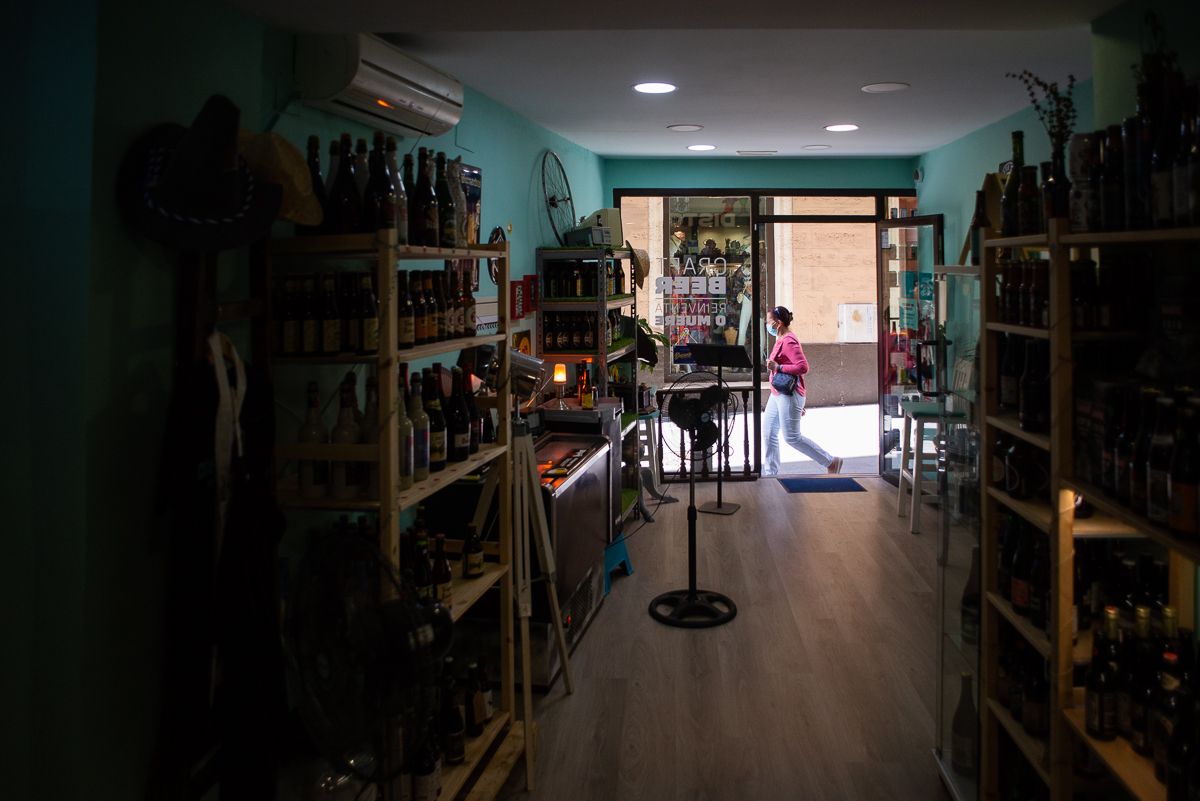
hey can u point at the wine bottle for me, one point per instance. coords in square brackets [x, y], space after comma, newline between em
[1029, 203]
[416, 292]
[472, 554]
[1158, 463]
[1010, 223]
[379, 193]
[1034, 411]
[1009, 538]
[331, 317]
[1139, 455]
[979, 227]
[436, 300]
[404, 435]
[475, 415]
[443, 577]
[423, 224]
[472, 716]
[455, 325]
[470, 320]
[447, 223]
[314, 473]
[427, 770]
[1180, 750]
[406, 318]
[318, 185]
[422, 565]
[458, 421]
[1011, 367]
[362, 171]
[335, 156]
[1184, 478]
[432, 401]
[1162, 727]
[969, 604]
[400, 190]
[964, 748]
[368, 316]
[453, 729]
[345, 201]
[1112, 197]
[1145, 684]
[370, 436]
[1133, 654]
[1100, 700]
[420, 421]
[346, 432]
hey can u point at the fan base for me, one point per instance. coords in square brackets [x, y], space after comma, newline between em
[688, 609]
[713, 508]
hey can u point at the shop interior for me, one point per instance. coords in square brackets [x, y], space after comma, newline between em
[516, 402]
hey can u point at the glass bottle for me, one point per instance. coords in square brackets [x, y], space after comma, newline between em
[456, 325]
[427, 770]
[470, 321]
[452, 726]
[404, 435]
[979, 227]
[474, 414]
[422, 565]
[399, 190]
[331, 317]
[428, 229]
[415, 214]
[435, 301]
[344, 211]
[1112, 196]
[420, 422]
[1180, 749]
[1162, 174]
[1162, 725]
[369, 434]
[406, 314]
[1035, 389]
[379, 194]
[1140, 451]
[369, 316]
[346, 432]
[1100, 699]
[335, 157]
[314, 473]
[1009, 536]
[431, 397]
[416, 292]
[454, 172]
[362, 170]
[458, 421]
[1010, 215]
[1183, 486]
[443, 577]
[1158, 463]
[447, 224]
[964, 729]
[969, 603]
[1022, 573]
[472, 554]
[318, 185]
[1029, 202]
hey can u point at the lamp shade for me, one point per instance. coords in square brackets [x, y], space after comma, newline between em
[560, 374]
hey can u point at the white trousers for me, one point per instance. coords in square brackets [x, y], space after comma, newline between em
[783, 416]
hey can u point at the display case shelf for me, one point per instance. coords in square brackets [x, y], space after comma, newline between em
[1134, 771]
[1136, 525]
[1098, 526]
[466, 591]
[584, 304]
[620, 349]
[1009, 424]
[1019, 330]
[1029, 241]
[366, 246]
[1035, 750]
[444, 478]
[1149, 237]
[454, 777]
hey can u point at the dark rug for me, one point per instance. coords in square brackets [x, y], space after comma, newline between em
[821, 485]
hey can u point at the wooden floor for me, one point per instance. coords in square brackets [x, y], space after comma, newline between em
[821, 688]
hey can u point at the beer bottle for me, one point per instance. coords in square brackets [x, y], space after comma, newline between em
[427, 210]
[458, 421]
[318, 185]
[331, 318]
[406, 320]
[420, 422]
[405, 431]
[470, 321]
[379, 207]
[1010, 217]
[345, 201]
[447, 224]
[1158, 462]
[431, 398]
[401, 191]
[437, 297]
[368, 315]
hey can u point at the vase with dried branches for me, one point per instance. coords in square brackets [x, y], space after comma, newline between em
[1055, 109]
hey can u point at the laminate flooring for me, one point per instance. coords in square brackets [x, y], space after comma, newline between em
[821, 688]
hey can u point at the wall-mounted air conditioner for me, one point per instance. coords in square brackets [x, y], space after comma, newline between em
[366, 79]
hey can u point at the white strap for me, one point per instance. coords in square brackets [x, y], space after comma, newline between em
[228, 428]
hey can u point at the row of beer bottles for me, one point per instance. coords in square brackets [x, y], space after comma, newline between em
[434, 430]
[367, 191]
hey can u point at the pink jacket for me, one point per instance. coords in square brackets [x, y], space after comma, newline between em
[788, 354]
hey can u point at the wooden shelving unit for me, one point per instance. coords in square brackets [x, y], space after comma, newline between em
[1053, 760]
[491, 756]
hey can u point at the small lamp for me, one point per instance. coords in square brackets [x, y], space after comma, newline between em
[560, 380]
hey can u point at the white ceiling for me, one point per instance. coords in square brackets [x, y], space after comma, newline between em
[763, 76]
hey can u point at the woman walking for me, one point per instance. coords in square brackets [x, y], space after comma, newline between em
[785, 410]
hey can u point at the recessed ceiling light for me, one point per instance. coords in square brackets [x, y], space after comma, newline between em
[685, 128]
[653, 88]
[842, 127]
[886, 86]
[702, 147]
[757, 152]
[817, 147]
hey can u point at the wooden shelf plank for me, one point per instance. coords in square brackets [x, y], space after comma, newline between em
[448, 346]
[1133, 237]
[1035, 636]
[1034, 513]
[454, 777]
[583, 252]
[1019, 330]
[1034, 750]
[327, 452]
[1134, 771]
[289, 497]
[552, 305]
[1133, 523]
[366, 246]
[444, 478]
[1030, 241]
[465, 592]
[613, 355]
[495, 774]
[1009, 424]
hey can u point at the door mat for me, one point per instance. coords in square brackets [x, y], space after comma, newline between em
[821, 485]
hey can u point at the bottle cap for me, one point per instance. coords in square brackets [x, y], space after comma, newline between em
[1111, 612]
[1169, 613]
[1141, 612]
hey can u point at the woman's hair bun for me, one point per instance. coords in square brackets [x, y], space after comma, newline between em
[782, 315]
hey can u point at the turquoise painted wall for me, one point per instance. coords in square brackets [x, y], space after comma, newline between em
[763, 173]
[954, 172]
[186, 50]
[1117, 39]
[48, 56]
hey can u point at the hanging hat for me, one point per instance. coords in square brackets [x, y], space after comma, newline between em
[275, 160]
[640, 261]
[190, 189]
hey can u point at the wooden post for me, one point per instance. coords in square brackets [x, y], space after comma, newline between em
[988, 552]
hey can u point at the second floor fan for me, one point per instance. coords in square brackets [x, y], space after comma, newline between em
[694, 404]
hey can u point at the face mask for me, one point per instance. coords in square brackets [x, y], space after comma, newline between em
[773, 330]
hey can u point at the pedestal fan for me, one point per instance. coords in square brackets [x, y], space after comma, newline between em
[365, 668]
[694, 402]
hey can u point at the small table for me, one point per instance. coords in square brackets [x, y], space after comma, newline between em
[922, 413]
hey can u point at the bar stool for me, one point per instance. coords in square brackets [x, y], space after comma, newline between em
[922, 414]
